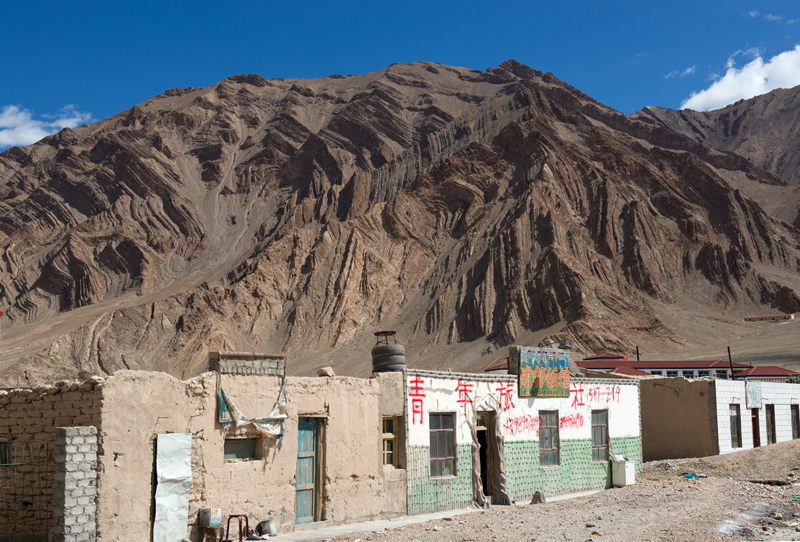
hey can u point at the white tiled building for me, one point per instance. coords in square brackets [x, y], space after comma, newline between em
[697, 418]
[775, 420]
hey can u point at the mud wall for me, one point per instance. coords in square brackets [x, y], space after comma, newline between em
[28, 422]
[679, 418]
[139, 405]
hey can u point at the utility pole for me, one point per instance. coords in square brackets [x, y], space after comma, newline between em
[733, 376]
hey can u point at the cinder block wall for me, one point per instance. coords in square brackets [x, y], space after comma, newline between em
[28, 422]
[75, 485]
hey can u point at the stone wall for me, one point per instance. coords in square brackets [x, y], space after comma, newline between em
[75, 484]
[28, 422]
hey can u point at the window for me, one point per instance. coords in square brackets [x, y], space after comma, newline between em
[703, 374]
[548, 438]
[389, 442]
[688, 374]
[5, 452]
[770, 411]
[240, 448]
[795, 421]
[672, 373]
[599, 435]
[659, 373]
[736, 426]
[722, 374]
[443, 445]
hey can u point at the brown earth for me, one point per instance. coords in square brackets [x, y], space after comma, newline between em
[732, 503]
[467, 210]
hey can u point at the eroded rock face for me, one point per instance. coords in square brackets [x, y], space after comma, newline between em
[760, 132]
[467, 210]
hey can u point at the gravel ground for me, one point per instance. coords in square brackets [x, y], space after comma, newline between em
[662, 505]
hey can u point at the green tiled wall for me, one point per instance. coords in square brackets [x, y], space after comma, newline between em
[431, 495]
[524, 475]
[575, 473]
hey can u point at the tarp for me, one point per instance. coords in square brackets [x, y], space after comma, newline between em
[174, 480]
[271, 425]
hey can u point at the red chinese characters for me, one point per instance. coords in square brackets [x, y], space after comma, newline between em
[463, 389]
[416, 394]
[506, 396]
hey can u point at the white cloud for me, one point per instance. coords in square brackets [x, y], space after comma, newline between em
[18, 127]
[754, 78]
[752, 13]
[676, 73]
[773, 18]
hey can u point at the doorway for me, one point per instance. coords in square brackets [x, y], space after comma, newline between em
[756, 429]
[308, 470]
[486, 455]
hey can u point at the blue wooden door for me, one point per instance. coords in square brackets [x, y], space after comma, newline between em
[306, 464]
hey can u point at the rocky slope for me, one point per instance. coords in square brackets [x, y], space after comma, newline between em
[762, 130]
[468, 210]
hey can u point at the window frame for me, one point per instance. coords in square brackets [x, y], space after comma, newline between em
[227, 453]
[657, 372]
[548, 432]
[601, 443]
[721, 374]
[737, 443]
[438, 462]
[703, 374]
[769, 414]
[687, 373]
[391, 439]
[673, 374]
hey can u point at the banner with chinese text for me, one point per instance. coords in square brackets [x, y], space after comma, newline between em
[543, 373]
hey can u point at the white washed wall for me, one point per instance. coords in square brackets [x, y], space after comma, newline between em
[775, 393]
[519, 417]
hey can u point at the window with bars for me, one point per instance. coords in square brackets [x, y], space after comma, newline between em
[599, 435]
[703, 374]
[736, 426]
[443, 445]
[722, 374]
[687, 374]
[548, 438]
[672, 374]
[795, 421]
[389, 442]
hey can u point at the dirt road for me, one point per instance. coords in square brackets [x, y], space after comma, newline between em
[662, 505]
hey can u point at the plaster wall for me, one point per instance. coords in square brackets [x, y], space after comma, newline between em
[139, 405]
[518, 419]
[392, 403]
[519, 416]
[781, 395]
[678, 418]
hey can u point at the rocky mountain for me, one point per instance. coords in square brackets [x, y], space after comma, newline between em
[763, 130]
[467, 210]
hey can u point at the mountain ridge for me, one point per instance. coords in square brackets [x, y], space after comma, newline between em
[466, 209]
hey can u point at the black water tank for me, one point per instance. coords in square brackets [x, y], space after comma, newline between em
[388, 355]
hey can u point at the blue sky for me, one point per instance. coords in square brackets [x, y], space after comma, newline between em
[68, 63]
